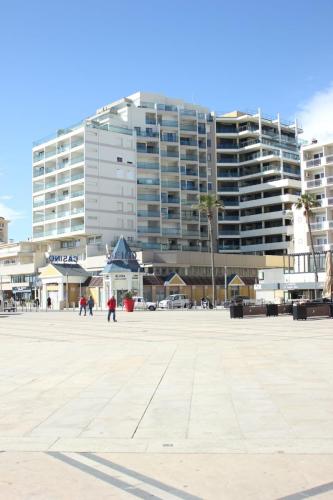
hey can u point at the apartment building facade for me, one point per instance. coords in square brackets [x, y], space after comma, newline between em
[317, 179]
[138, 166]
[258, 180]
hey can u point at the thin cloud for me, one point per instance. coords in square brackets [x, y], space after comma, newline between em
[316, 115]
[6, 197]
[10, 213]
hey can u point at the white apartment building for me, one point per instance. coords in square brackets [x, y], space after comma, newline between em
[135, 168]
[138, 166]
[317, 179]
[258, 180]
[84, 187]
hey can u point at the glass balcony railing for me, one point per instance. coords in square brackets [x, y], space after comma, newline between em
[168, 123]
[77, 227]
[38, 187]
[145, 229]
[62, 230]
[63, 180]
[48, 201]
[170, 184]
[64, 213]
[38, 203]
[148, 166]
[189, 157]
[189, 128]
[37, 158]
[170, 154]
[171, 216]
[148, 213]
[76, 177]
[188, 112]
[77, 210]
[171, 169]
[76, 144]
[64, 148]
[146, 133]
[148, 197]
[147, 181]
[169, 138]
[170, 231]
[75, 194]
[144, 150]
[38, 172]
[185, 142]
[170, 200]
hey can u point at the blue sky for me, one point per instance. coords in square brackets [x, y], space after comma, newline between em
[61, 60]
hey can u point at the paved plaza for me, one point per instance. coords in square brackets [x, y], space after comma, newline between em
[165, 404]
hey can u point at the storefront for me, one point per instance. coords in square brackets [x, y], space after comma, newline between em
[63, 284]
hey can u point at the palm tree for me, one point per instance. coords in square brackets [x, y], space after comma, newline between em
[208, 204]
[307, 202]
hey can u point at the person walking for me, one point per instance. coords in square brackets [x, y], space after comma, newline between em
[90, 304]
[112, 304]
[49, 302]
[83, 305]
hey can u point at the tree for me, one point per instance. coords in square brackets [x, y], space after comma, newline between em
[208, 204]
[307, 202]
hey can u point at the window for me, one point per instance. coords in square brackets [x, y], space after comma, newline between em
[118, 173]
[119, 159]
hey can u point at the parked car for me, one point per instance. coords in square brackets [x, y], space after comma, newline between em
[141, 304]
[9, 306]
[177, 300]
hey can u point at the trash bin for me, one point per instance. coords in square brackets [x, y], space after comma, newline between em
[272, 310]
[299, 311]
[236, 311]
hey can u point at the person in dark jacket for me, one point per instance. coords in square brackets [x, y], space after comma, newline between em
[112, 304]
[90, 304]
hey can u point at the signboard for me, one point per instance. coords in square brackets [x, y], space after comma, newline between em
[63, 259]
[21, 289]
[120, 277]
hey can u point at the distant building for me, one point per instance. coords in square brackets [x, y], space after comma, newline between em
[3, 230]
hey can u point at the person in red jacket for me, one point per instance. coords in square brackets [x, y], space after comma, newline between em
[112, 304]
[83, 305]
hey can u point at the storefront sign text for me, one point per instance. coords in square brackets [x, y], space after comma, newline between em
[63, 259]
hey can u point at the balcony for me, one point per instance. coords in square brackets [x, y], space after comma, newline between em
[148, 182]
[170, 216]
[226, 217]
[146, 133]
[169, 123]
[145, 150]
[170, 200]
[188, 142]
[195, 234]
[150, 230]
[148, 197]
[188, 128]
[228, 189]
[169, 154]
[148, 166]
[229, 248]
[148, 213]
[169, 138]
[77, 143]
[170, 231]
[228, 232]
[76, 194]
[38, 157]
[38, 172]
[188, 112]
[64, 180]
[313, 163]
[170, 184]
[315, 183]
[77, 227]
[171, 169]
[188, 157]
